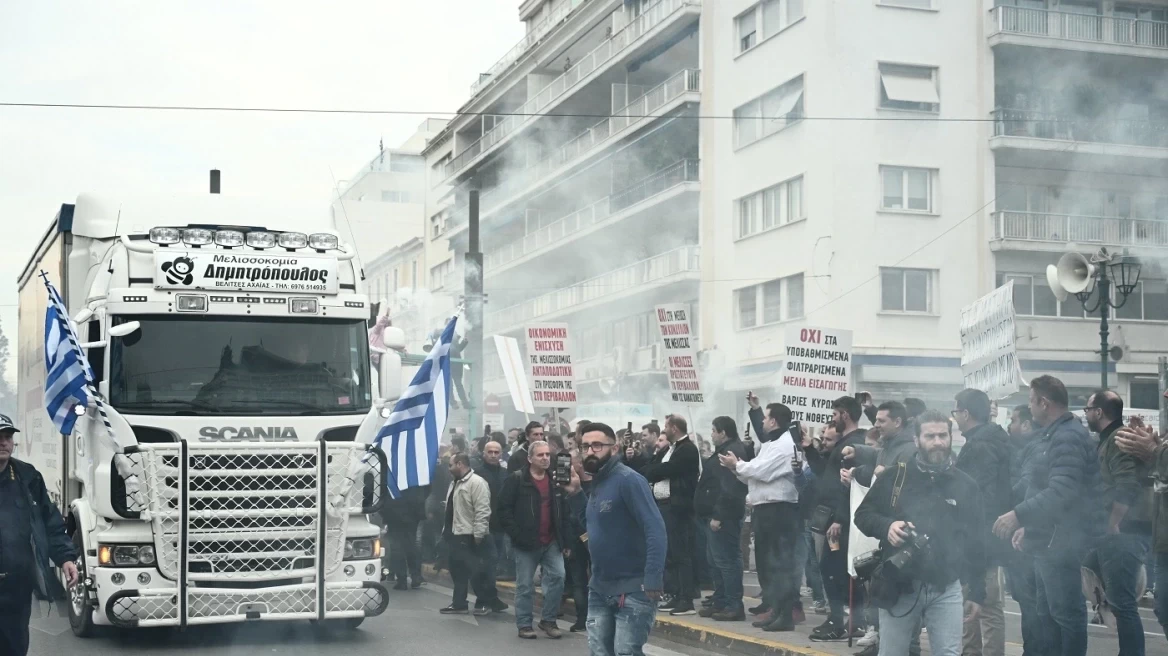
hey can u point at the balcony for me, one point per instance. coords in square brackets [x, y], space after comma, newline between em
[534, 36]
[1052, 232]
[587, 69]
[1044, 131]
[604, 211]
[1044, 28]
[620, 284]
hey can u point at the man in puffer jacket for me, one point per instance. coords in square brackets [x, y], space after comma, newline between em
[1061, 516]
[720, 505]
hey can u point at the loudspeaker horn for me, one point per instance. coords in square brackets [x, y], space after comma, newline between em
[1075, 272]
[1053, 281]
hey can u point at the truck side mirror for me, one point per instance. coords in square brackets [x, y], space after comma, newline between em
[123, 329]
[389, 375]
[394, 338]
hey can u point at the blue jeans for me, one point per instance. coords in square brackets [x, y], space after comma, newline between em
[940, 610]
[1062, 608]
[551, 559]
[805, 556]
[724, 553]
[1162, 590]
[1120, 559]
[619, 626]
[1024, 589]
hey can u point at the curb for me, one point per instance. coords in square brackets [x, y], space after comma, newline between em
[675, 629]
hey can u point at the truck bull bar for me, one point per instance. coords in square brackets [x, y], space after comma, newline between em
[248, 532]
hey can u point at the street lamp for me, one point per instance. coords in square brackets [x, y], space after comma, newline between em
[1078, 275]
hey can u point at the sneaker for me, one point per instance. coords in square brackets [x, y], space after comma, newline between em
[709, 611]
[759, 609]
[730, 616]
[780, 624]
[527, 633]
[830, 633]
[479, 611]
[823, 627]
[763, 620]
[871, 637]
[551, 630]
[454, 610]
[820, 608]
[578, 627]
[708, 602]
[497, 606]
[667, 602]
[683, 608]
[871, 650]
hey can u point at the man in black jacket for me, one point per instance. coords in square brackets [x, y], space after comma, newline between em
[533, 513]
[927, 496]
[986, 458]
[720, 505]
[1061, 516]
[518, 458]
[402, 517]
[495, 474]
[674, 478]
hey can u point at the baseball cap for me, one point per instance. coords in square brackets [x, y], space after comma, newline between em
[6, 424]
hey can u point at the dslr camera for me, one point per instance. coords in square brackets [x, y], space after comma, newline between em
[890, 572]
[914, 549]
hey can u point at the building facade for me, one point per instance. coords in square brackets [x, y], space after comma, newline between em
[874, 166]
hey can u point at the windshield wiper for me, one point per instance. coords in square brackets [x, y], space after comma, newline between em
[198, 405]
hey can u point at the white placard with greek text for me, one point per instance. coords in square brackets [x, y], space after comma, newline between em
[681, 356]
[549, 363]
[817, 369]
[989, 349]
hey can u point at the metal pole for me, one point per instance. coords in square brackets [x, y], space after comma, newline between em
[1104, 308]
[214, 181]
[1163, 390]
[473, 280]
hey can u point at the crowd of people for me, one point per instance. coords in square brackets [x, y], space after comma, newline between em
[646, 522]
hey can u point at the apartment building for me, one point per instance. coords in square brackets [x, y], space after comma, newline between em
[872, 165]
[583, 144]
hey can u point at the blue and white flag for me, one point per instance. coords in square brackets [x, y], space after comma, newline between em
[68, 375]
[411, 433]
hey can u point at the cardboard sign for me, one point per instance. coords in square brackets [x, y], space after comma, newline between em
[681, 357]
[817, 369]
[244, 271]
[989, 349]
[549, 363]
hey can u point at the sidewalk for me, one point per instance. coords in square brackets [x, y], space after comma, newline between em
[738, 637]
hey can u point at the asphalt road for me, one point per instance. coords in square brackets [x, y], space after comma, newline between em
[411, 626]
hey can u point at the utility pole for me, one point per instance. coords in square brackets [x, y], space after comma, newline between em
[1104, 307]
[1163, 391]
[214, 181]
[473, 295]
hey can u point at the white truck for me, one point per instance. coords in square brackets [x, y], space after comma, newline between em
[233, 480]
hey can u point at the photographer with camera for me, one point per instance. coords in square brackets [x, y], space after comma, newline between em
[928, 517]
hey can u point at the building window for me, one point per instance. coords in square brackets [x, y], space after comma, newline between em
[406, 163]
[769, 113]
[1144, 394]
[766, 19]
[439, 169]
[770, 208]
[437, 225]
[906, 290]
[390, 196]
[780, 299]
[1032, 297]
[913, 88]
[439, 272]
[911, 4]
[908, 189]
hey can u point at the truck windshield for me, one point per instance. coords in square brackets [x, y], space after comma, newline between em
[241, 366]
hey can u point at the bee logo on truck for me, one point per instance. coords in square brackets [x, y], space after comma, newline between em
[248, 434]
[179, 271]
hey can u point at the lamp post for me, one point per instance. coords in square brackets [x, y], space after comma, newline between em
[1105, 270]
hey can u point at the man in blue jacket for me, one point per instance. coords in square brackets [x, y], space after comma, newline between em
[31, 534]
[626, 539]
[1061, 516]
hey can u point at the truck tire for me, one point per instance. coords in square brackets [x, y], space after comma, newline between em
[80, 610]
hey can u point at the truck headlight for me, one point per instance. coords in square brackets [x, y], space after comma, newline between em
[197, 236]
[361, 548]
[292, 240]
[229, 238]
[322, 241]
[164, 235]
[126, 555]
[191, 303]
[302, 305]
[261, 239]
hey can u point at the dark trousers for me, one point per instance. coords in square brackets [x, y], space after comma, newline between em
[776, 529]
[469, 563]
[1121, 557]
[725, 560]
[14, 627]
[833, 569]
[679, 556]
[1062, 608]
[504, 563]
[404, 556]
[1023, 586]
[576, 580]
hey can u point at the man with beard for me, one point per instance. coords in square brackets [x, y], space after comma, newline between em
[927, 496]
[626, 539]
[720, 504]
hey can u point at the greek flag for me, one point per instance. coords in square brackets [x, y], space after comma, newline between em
[410, 434]
[68, 374]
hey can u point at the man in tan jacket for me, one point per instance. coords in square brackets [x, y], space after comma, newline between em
[467, 529]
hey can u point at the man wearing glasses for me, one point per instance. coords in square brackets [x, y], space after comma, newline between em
[626, 539]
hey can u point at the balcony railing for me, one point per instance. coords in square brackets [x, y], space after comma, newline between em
[537, 33]
[561, 229]
[1061, 228]
[595, 137]
[1081, 27]
[1060, 127]
[651, 17]
[655, 269]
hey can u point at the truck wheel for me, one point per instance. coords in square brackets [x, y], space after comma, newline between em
[80, 610]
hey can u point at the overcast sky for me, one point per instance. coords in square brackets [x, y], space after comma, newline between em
[379, 54]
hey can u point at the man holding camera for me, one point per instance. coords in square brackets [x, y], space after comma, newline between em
[928, 517]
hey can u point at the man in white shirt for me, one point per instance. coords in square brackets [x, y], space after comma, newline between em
[774, 502]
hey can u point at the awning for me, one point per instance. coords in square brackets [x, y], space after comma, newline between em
[908, 88]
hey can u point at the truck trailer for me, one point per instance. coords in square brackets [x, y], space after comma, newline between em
[226, 468]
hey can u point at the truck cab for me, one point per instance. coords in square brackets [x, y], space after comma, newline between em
[225, 469]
